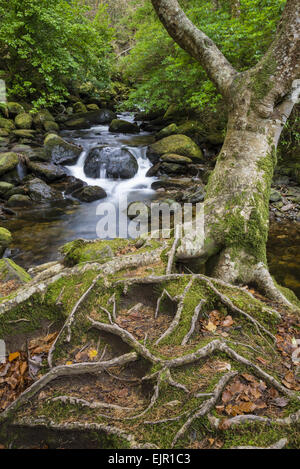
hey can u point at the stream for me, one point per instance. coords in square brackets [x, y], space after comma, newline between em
[38, 232]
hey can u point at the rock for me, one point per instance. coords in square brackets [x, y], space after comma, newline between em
[193, 129]
[178, 144]
[39, 191]
[153, 171]
[24, 133]
[41, 117]
[122, 126]
[86, 120]
[60, 151]
[19, 200]
[71, 184]
[15, 108]
[81, 250]
[5, 187]
[51, 126]
[8, 162]
[194, 197]
[173, 168]
[116, 162]
[148, 115]
[215, 138]
[167, 183]
[167, 131]
[11, 271]
[89, 193]
[280, 180]
[93, 107]
[48, 171]
[14, 191]
[5, 239]
[173, 158]
[275, 196]
[79, 107]
[23, 121]
[171, 112]
[7, 124]
[4, 133]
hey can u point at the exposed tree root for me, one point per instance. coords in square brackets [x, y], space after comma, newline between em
[278, 445]
[66, 370]
[90, 405]
[172, 255]
[205, 407]
[164, 293]
[175, 384]
[243, 419]
[195, 318]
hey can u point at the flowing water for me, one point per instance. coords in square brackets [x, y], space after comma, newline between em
[39, 232]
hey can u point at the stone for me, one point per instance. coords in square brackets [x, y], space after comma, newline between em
[173, 158]
[23, 121]
[275, 196]
[167, 131]
[92, 107]
[88, 119]
[114, 162]
[167, 183]
[61, 152]
[89, 193]
[41, 117]
[122, 126]
[7, 124]
[194, 197]
[51, 126]
[15, 108]
[79, 107]
[5, 239]
[24, 133]
[8, 162]
[48, 171]
[178, 144]
[39, 191]
[5, 187]
[9, 270]
[4, 133]
[19, 200]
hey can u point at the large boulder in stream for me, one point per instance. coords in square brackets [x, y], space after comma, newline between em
[117, 163]
[122, 126]
[178, 144]
[39, 191]
[89, 193]
[59, 151]
[88, 119]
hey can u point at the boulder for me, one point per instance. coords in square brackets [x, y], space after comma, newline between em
[178, 144]
[79, 107]
[4, 133]
[71, 184]
[5, 187]
[39, 191]
[93, 107]
[170, 183]
[194, 197]
[51, 126]
[48, 171]
[122, 126]
[5, 239]
[173, 168]
[60, 151]
[89, 193]
[114, 162]
[167, 131]
[41, 117]
[23, 121]
[7, 124]
[24, 133]
[88, 119]
[19, 200]
[11, 271]
[14, 109]
[8, 162]
[275, 196]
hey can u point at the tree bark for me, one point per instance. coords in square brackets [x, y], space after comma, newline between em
[259, 101]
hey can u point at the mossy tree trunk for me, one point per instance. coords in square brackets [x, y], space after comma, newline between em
[259, 102]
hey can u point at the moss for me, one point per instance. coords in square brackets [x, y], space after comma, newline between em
[9, 270]
[261, 80]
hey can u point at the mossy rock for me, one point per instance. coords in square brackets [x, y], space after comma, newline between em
[4, 133]
[173, 158]
[5, 187]
[23, 121]
[5, 240]
[51, 126]
[178, 144]
[92, 107]
[80, 107]
[11, 271]
[122, 126]
[19, 200]
[7, 124]
[24, 133]
[41, 117]
[167, 131]
[60, 151]
[15, 108]
[8, 162]
[81, 250]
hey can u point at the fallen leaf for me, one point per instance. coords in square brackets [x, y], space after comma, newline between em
[93, 353]
[228, 322]
[211, 327]
[13, 356]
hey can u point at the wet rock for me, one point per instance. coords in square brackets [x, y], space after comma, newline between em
[280, 180]
[24, 133]
[89, 193]
[39, 191]
[5, 187]
[19, 200]
[173, 168]
[79, 107]
[154, 170]
[14, 109]
[117, 163]
[60, 151]
[41, 117]
[8, 162]
[122, 126]
[71, 184]
[275, 196]
[93, 107]
[4, 133]
[15, 190]
[86, 120]
[51, 126]
[178, 144]
[171, 183]
[9, 270]
[167, 131]
[194, 197]
[23, 121]
[48, 171]
[5, 240]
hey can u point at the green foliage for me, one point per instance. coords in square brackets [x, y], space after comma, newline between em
[162, 72]
[47, 45]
